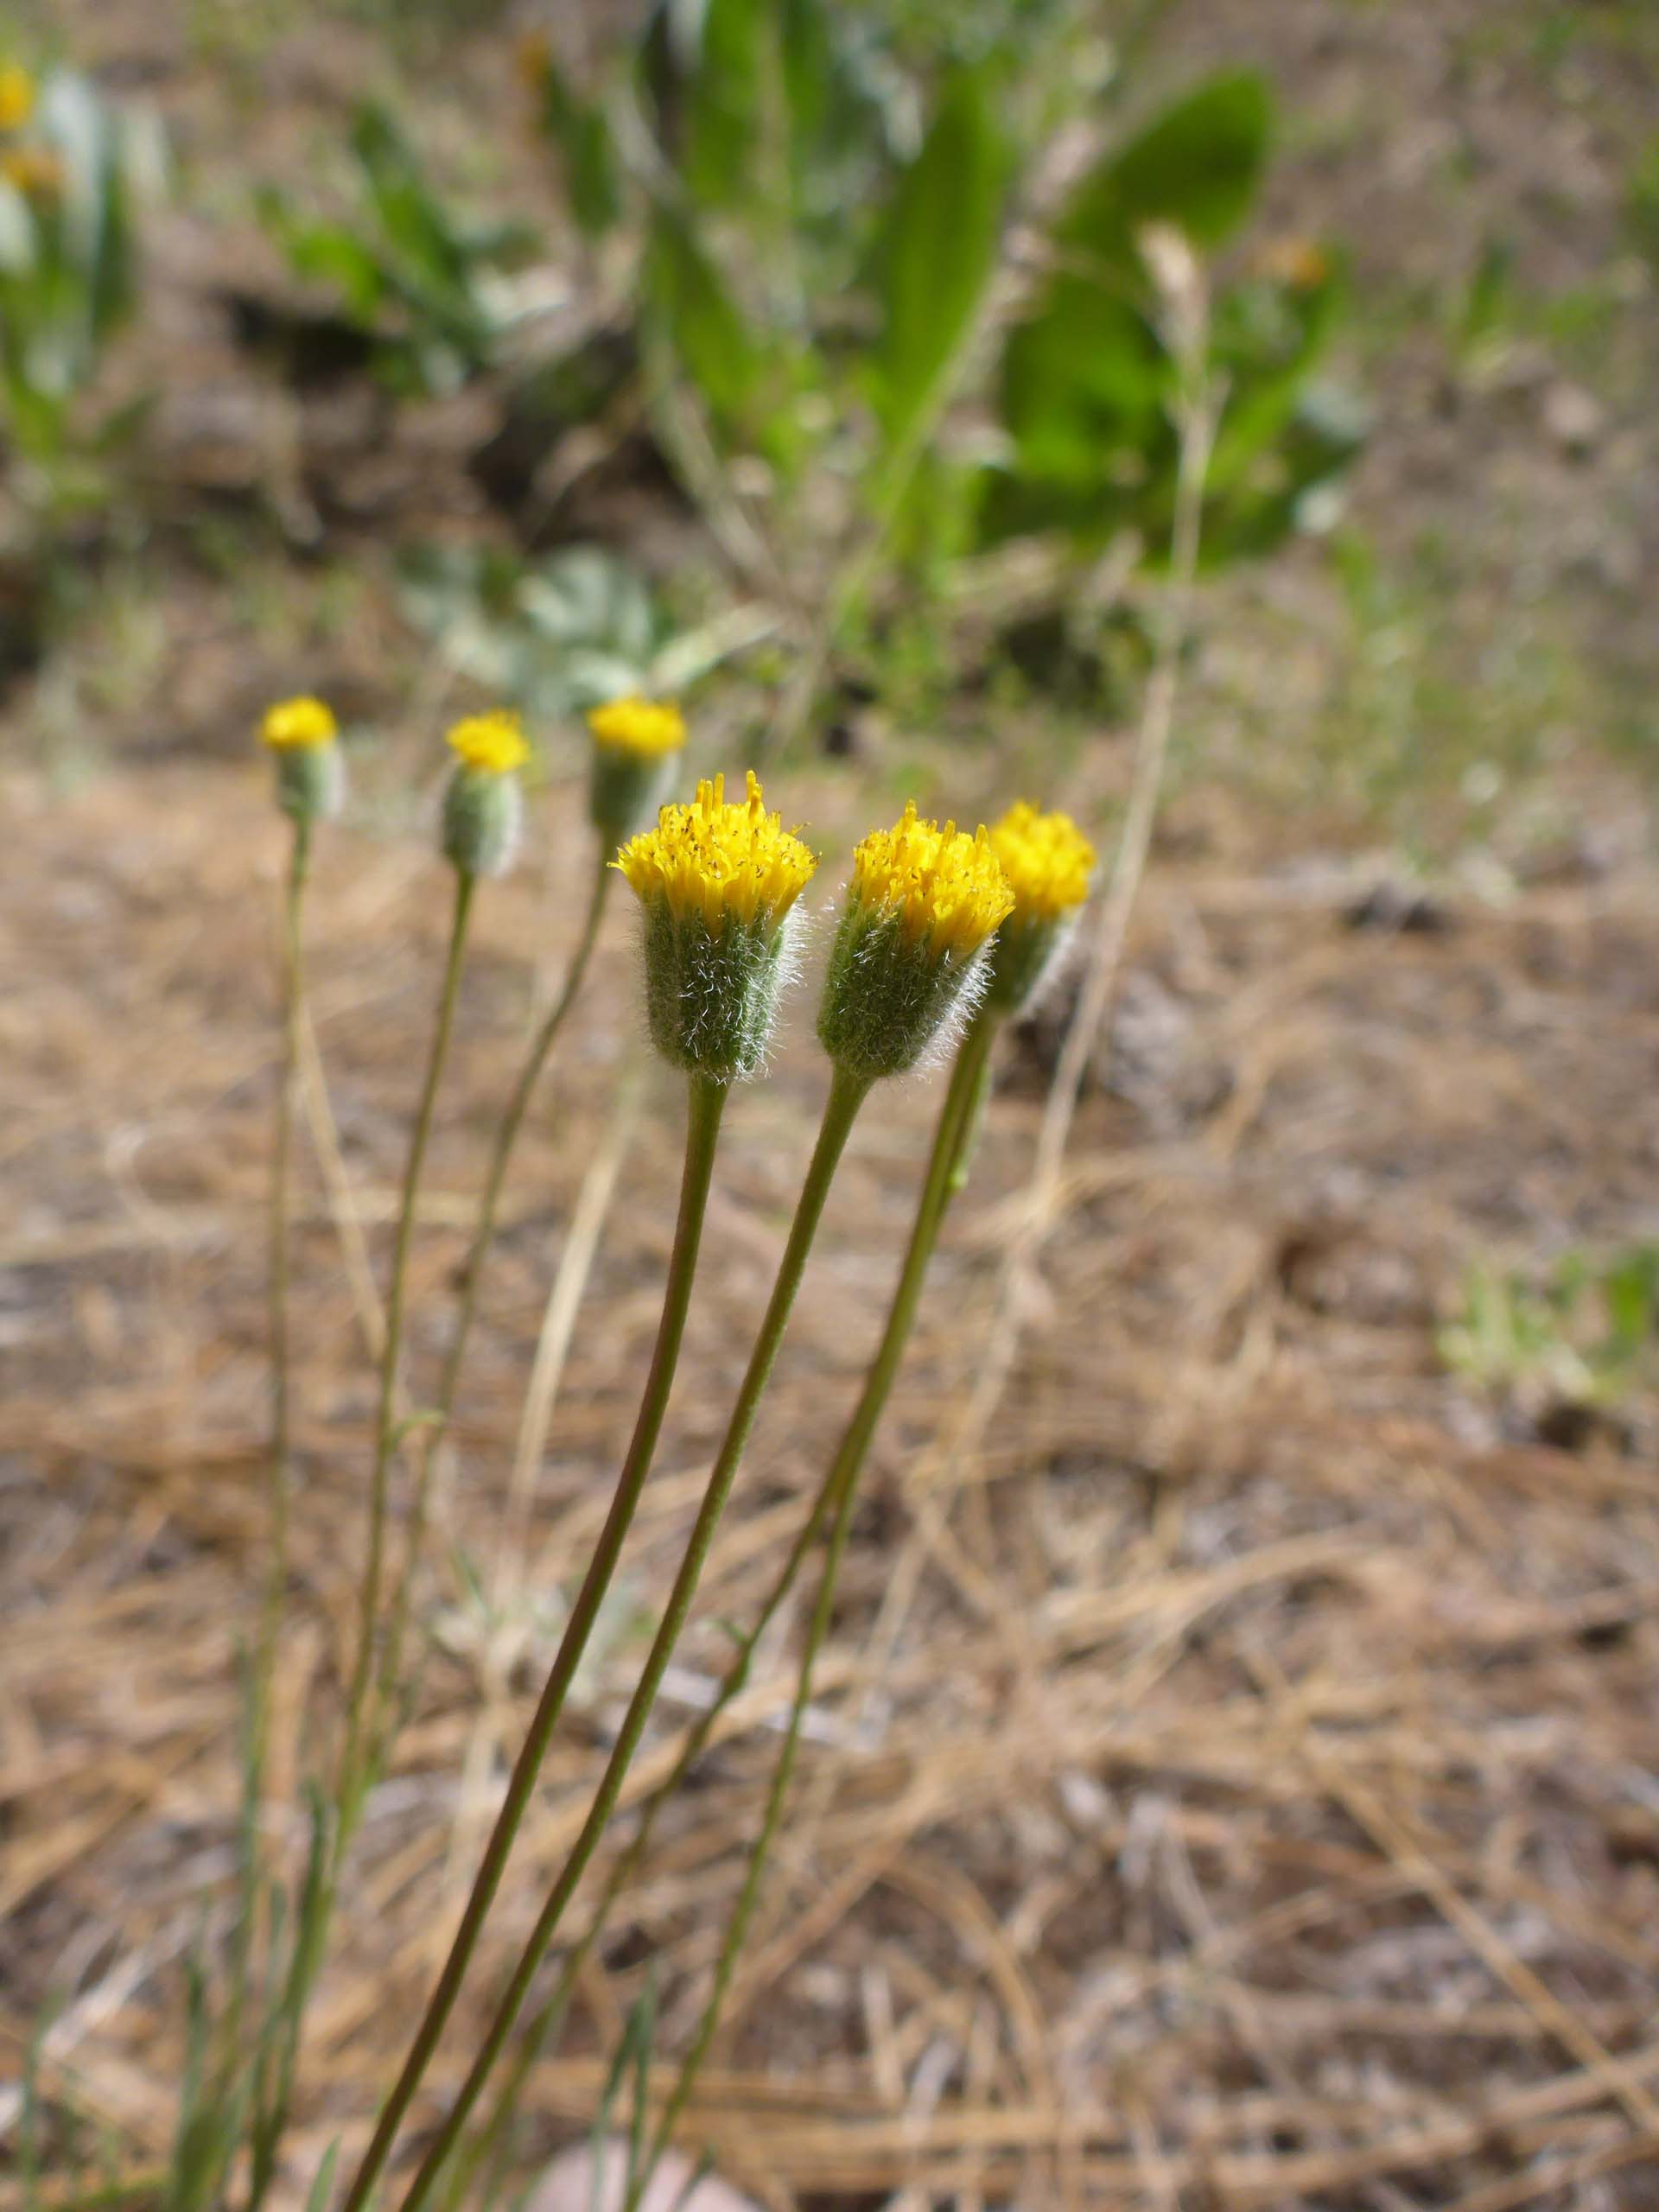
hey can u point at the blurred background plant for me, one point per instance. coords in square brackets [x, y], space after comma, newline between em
[890, 302]
[75, 168]
[932, 358]
[1580, 1336]
[434, 295]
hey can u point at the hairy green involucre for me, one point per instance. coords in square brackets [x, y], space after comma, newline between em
[887, 998]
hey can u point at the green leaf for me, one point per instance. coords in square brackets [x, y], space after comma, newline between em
[703, 323]
[1084, 387]
[327, 253]
[323, 2186]
[1199, 167]
[724, 101]
[414, 223]
[937, 252]
[580, 129]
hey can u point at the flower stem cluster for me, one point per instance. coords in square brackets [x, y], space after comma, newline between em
[717, 882]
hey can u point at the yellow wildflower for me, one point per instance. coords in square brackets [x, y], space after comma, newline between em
[491, 744]
[943, 886]
[715, 862]
[16, 95]
[1047, 860]
[297, 724]
[647, 727]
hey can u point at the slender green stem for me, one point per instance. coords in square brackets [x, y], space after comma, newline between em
[281, 1183]
[707, 1102]
[492, 2145]
[845, 1096]
[506, 1136]
[954, 1132]
[353, 1766]
[279, 1476]
[311, 1931]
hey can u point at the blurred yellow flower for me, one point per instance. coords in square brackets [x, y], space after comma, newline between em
[16, 95]
[634, 725]
[296, 724]
[491, 744]
[713, 861]
[946, 888]
[1047, 860]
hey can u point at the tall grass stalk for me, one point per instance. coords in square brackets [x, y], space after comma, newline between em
[707, 1104]
[847, 1096]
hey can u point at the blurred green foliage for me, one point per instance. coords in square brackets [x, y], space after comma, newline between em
[1584, 1335]
[427, 287]
[70, 175]
[562, 633]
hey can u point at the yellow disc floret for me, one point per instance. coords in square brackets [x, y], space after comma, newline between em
[713, 861]
[945, 887]
[648, 727]
[298, 725]
[490, 745]
[1047, 860]
[17, 96]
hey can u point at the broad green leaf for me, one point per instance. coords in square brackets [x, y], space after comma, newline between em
[1196, 168]
[327, 253]
[702, 323]
[724, 101]
[937, 253]
[580, 130]
[417, 227]
[1084, 385]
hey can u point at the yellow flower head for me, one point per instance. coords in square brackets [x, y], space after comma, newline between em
[36, 171]
[945, 887]
[644, 726]
[16, 95]
[1047, 860]
[298, 725]
[491, 744]
[713, 861]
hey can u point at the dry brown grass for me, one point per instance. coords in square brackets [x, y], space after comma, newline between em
[1231, 1785]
